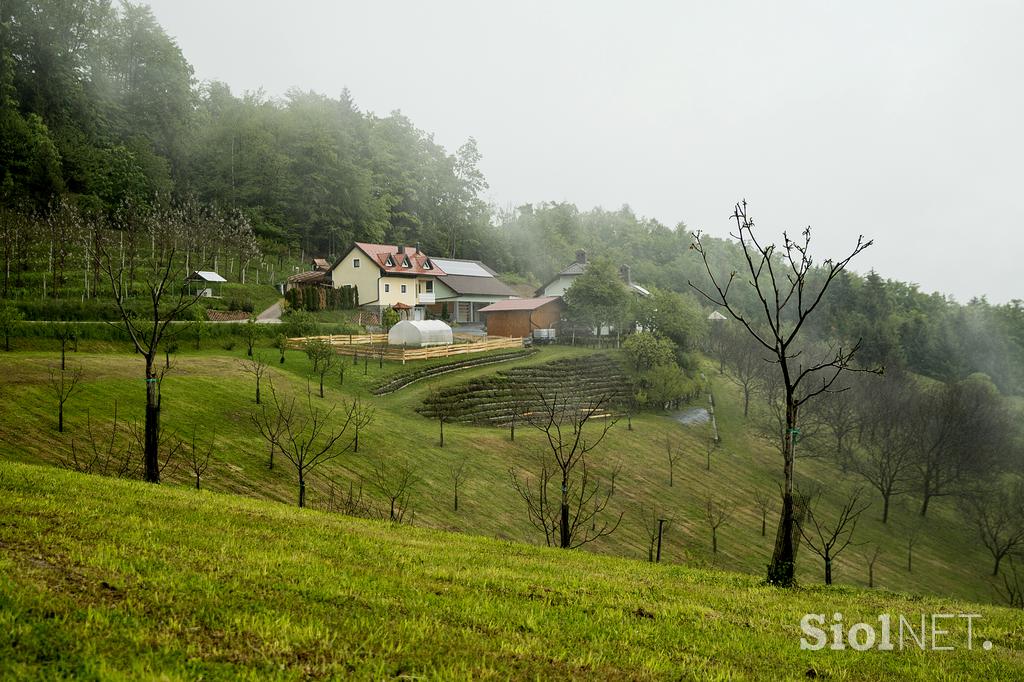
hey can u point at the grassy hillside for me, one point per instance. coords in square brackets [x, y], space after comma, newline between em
[209, 390]
[103, 578]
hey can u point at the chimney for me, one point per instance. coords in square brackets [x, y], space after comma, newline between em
[418, 248]
[401, 248]
[625, 274]
[581, 257]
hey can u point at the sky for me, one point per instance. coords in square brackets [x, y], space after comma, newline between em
[902, 121]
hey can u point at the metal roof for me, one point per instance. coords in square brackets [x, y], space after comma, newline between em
[519, 304]
[206, 276]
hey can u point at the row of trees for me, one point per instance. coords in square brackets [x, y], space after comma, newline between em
[900, 433]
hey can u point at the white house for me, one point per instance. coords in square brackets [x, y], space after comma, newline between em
[387, 276]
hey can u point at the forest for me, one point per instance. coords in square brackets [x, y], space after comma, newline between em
[100, 113]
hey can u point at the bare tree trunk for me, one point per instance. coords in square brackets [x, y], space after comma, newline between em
[783, 565]
[151, 455]
[828, 570]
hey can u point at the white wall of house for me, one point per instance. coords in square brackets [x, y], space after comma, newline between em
[559, 286]
[359, 270]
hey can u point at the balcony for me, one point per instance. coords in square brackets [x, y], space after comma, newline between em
[425, 299]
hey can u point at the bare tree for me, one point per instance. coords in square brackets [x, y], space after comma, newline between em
[564, 419]
[270, 421]
[199, 459]
[959, 431]
[162, 274]
[362, 416]
[396, 482]
[998, 514]
[443, 407]
[744, 361]
[840, 416]
[1013, 586]
[714, 515]
[105, 456]
[458, 472]
[63, 383]
[828, 540]
[250, 332]
[674, 455]
[871, 565]
[788, 289]
[654, 526]
[256, 366]
[307, 439]
[884, 457]
[763, 503]
[322, 355]
[66, 333]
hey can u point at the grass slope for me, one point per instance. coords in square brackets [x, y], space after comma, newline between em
[103, 578]
[208, 389]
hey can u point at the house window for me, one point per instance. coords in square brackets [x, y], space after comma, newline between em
[355, 262]
[405, 263]
[427, 265]
[387, 288]
[390, 263]
[429, 286]
[403, 288]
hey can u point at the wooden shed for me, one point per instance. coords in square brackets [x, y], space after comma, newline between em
[519, 317]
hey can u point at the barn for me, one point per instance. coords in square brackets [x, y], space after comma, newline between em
[519, 317]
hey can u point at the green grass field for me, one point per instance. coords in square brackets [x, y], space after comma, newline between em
[208, 389]
[114, 579]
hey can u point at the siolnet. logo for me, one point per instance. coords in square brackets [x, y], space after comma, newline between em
[927, 632]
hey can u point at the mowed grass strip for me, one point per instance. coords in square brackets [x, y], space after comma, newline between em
[103, 578]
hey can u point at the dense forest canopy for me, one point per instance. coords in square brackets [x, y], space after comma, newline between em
[99, 107]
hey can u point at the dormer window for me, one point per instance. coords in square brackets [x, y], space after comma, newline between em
[389, 262]
[406, 263]
[426, 264]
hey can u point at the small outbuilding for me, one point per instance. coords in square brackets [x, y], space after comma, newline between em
[420, 334]
[204, 280]
[519, 317]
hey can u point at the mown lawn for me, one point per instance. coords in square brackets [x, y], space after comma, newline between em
[103, 579]
[208, 390]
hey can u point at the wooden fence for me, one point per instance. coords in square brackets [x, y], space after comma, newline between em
[375, 345]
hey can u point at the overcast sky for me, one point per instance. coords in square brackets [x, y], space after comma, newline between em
[899, 120]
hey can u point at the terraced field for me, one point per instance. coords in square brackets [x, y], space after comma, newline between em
[500, 398]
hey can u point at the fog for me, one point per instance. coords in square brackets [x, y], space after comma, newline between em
[901, 122]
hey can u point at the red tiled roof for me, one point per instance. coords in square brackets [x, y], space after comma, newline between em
[401, 306]
[519, 304]
[417, 259]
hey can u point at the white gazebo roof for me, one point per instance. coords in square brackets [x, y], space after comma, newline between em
[206, 276]
[716, 316]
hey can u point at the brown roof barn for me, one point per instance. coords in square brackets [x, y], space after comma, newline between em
[518, 317]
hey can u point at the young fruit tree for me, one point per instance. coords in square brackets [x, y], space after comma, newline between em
[256, 366]
[309, 436]
[998, 514]
[571, 519]
[715, 515]
[788, 287]
[828, 540]
[63, 383]
[458, 472]
[395, 481]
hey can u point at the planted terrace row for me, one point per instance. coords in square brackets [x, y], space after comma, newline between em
[397, 382]
[521, 390]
